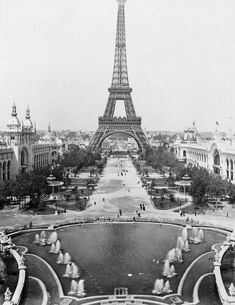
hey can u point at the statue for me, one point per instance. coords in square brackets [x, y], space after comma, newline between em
[7, 294]
[231, 290]
[217, 257]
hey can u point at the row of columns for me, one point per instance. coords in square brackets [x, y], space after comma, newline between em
[229, 168]
[41, 160]
[5, 170]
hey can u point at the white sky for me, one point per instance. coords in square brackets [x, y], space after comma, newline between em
[57, 57]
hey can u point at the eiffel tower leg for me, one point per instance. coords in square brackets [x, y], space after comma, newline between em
[130, 110]
[95, 143]
[110, 108]
[142, 138]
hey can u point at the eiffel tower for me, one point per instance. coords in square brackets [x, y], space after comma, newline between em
[120, 90]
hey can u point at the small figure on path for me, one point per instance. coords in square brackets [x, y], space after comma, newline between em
[139, 214]
[120, 212]
[143, 207]
[94, 203]
[103, 199]
[140, 206]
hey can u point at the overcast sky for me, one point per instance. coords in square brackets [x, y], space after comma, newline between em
[57, 57]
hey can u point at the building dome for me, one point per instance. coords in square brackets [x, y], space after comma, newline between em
[14, 123]
[27, 124]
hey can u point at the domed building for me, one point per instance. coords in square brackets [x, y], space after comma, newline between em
[27, 123]
[21, 152]
[215, 153]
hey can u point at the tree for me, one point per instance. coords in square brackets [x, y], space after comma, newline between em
[160, 158]
[216, 186]
[199, 186]
[230, 190]
[7, 189]
[38, 186]
[23, 186]
[80, 157]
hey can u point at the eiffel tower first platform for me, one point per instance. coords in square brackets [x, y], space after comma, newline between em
[120, 90]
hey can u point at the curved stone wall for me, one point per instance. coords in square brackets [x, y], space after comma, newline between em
[7, 245]
[21, 281]
[224, 297]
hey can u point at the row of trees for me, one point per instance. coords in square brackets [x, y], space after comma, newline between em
[34, 183]
[161, 158]
[204, 184]
[79, 157]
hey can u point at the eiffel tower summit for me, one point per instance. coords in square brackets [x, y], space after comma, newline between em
[119, 91]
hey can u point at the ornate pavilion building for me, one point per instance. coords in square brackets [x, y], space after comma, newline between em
[20, 152]
[216, 153]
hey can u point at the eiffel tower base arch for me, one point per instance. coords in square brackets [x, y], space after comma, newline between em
[109, 126]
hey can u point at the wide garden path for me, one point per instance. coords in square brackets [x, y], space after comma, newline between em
[119, 187]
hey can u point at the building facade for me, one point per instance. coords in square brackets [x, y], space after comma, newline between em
[215, 153]
[20, 152]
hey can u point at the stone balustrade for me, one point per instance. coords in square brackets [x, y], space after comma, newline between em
[8, 246]
[224, 297]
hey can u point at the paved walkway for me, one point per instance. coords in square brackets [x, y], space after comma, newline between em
[121, 188]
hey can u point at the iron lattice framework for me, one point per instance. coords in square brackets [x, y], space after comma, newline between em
[119, 91]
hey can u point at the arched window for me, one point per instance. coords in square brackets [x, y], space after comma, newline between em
[9, 170]
[216, 162]
[4, 171]
[22, 158]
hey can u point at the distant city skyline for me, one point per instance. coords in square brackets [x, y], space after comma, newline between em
[57, 57]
